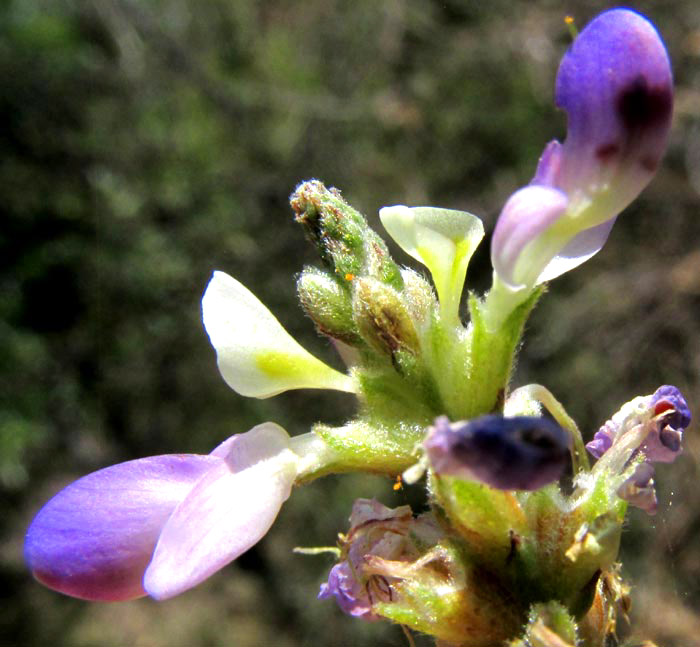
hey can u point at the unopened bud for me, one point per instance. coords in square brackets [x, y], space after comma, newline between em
[382, 318]
[521, 453]
[341, 235]
[328, 304]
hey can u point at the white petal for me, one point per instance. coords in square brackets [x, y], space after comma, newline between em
[228, 511]
[257, 357]
[442, 239]
[582, 247]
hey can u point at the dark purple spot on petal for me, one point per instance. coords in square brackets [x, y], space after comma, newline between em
[671, 438]
[642, 107]
[649, 163]
[607, 151]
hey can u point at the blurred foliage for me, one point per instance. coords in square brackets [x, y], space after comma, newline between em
[147, 143]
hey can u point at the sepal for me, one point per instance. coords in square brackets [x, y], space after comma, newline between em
[549, 625]
[382, 318]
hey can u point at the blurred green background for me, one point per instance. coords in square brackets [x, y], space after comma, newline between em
[145, 144]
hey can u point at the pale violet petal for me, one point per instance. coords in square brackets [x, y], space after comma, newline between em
[549, 165]
[516, 247]
[95, 538]
[256, 356]
[442, 239]
[229, 510]
[582, 247]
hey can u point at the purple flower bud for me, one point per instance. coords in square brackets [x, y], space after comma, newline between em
[161, 525]
[519, 453]
[376, 533]
[615, 85]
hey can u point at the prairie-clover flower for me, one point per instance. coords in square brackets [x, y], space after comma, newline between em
[162, 524]
[616, 87]
[648, 429]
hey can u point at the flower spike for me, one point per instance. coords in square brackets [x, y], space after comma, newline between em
[257, 357]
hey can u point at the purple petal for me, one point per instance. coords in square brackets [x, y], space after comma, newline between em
[663, 446]
[94, 539]
[602, 441]
[615, 85]
[669, 400]
[229, 510]
[527, 214]
[672, 415]
[350, 595]
[639, 489]
[664, 414]
[548, 167]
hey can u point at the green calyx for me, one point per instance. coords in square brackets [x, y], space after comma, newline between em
[328, 302]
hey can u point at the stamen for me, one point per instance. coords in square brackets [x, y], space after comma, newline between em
[571, 25]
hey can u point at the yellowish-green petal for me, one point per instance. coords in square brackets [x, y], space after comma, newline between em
[256, 356]
[443, 240]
